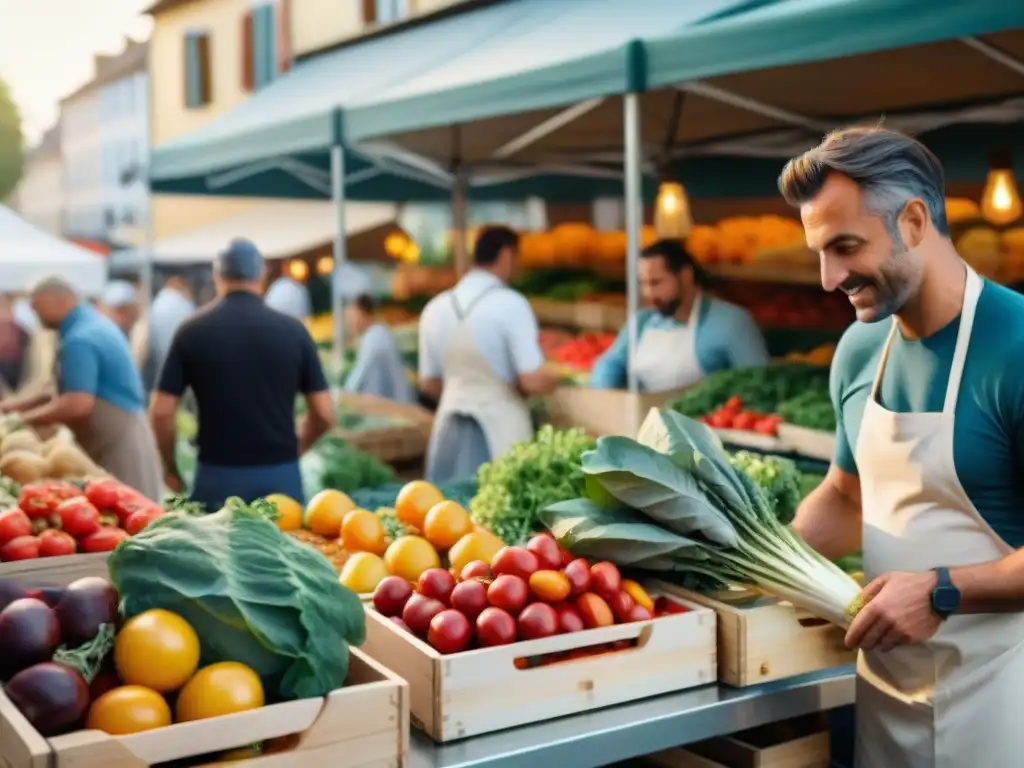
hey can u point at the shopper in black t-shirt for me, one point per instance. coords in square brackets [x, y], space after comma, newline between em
[246, 364]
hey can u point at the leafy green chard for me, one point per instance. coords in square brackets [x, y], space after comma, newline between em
[672, 502]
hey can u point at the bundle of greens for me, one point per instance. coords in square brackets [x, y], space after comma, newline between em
[519, 484]
[811, 409]
[671, 502]
[253, 594]
[761, 388]
[333, 463]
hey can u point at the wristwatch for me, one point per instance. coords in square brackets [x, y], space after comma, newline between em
[945, 596]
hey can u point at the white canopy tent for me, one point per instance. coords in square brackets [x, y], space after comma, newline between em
[278, 228]
[28, 253]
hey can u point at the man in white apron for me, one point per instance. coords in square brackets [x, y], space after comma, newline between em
[480, 357]
[929, 396]
[686, 334]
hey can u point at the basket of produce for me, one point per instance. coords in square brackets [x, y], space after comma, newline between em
[389, 430]
[555, 634]
[192, 651]
[60, 530]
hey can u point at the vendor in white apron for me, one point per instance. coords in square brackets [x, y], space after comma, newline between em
[929, 397]
[685, 335]
[479, 358]
[99, 390]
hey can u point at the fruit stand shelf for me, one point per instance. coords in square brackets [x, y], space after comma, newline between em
[639, 728]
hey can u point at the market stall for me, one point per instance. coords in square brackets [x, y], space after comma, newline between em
[28, 253]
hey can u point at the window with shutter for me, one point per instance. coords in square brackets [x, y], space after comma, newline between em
[369, 11]
[248, 52]
[260, 47]
[198, 74]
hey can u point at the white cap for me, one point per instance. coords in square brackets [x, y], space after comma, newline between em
[118, 294]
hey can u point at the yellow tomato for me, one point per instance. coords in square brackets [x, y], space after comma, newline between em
[409, 556]
[414, 501]
[446, 523]
[363, 531]
[289, 512]
[156, 649]
[219, 689]
[128, 709]
[362, 572]
[478, 545]
[326, 510]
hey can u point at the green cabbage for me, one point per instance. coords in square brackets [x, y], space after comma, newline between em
[253, 594]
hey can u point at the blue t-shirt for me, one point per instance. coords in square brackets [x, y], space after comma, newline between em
[988, 447]
[727, 337]
[95, 357]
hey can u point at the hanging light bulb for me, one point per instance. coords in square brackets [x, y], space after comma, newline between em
[298, 269]
[324, 265]
[672, 217]
[1000, 202]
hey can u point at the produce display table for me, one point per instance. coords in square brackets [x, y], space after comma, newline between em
[630, 730]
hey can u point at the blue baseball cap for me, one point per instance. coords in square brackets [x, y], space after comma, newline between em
[240, 261]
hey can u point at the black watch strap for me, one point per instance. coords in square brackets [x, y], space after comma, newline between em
[945, 596]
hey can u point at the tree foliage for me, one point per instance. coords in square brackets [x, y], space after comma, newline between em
[12, 158]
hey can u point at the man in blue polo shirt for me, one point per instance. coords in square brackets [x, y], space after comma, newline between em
[99, 390]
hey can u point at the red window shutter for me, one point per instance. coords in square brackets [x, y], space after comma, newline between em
[369, 11]
[248, 52]
[205, 69]
[284, 35]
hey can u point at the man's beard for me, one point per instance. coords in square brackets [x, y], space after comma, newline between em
[891, 287]
[668, 308]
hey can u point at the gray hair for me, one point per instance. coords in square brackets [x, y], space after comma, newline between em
[889, 167]
[51, 284]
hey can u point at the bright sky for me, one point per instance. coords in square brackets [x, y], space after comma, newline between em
[47, 48]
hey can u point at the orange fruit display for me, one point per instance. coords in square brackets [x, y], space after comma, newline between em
[363, 531]
[446, 523]
[289, 512]
[478, 545]
[414, 501]
[409, 556]
[326, 511]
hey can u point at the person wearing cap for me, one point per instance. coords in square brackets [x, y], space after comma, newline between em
[245, 364]
[120, 302]
[289, 297]
[685, 335]
[480, 357]
[379, 369]
[99, 389]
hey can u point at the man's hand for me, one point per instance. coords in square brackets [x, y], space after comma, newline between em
[173, 482]
[898, 612]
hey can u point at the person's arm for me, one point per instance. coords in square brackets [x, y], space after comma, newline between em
[79, 365]
[522, 339]
[830, 518]
[610, 370]
[320, 415]
[24, 402]
[163, 410]
[430, 372]
[745, 343]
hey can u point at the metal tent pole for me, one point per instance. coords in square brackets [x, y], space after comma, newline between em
[340, 252]
[634, 221]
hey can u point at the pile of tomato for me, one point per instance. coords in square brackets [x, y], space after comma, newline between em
[732, 415]
[55, 518]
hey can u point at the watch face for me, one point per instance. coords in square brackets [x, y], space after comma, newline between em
[946, 599]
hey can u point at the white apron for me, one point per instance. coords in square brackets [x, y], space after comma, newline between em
[666, 358]
[471, 388]
[949, 702]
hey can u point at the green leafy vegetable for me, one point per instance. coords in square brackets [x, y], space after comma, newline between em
[811, 409]
[719, 528]
[761, 388]
[778, 479]
[88, 658]
[253, 594]
[333, 463]
[529, 476]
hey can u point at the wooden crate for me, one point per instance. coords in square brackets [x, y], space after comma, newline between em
[813, 443]
[767, 639]
[603, 411]
[54, 571]
[402, 442]
[364, 724]
[802, 742]
[745, 438]
[480, 691]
